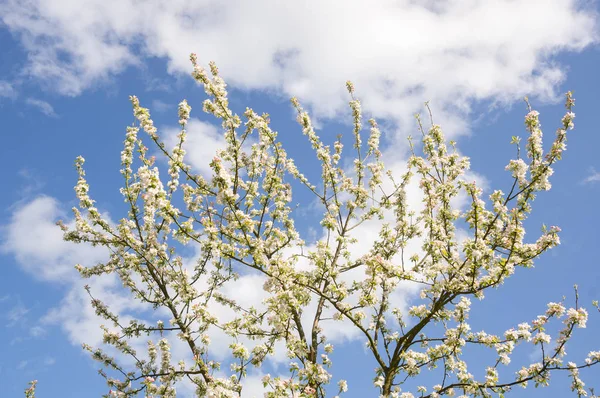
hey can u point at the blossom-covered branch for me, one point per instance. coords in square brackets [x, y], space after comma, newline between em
[240, 221]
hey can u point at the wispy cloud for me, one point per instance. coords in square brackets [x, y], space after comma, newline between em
[29, 186]
[42, 106]
[7, 90]
[49, 361]
[593, 177]
[37, 331]
[16, 314]
[161, 106]
[38, 364]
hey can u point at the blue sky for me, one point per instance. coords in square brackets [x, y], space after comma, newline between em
[67, 69]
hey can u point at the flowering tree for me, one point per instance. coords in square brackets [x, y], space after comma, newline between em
[240, 221]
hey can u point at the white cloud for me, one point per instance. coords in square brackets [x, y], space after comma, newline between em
[252, 386]
[7, 90]
[399, 53]
[593, 177]
[42, 106]
[77, 317]
[37, 243]
[202, 142]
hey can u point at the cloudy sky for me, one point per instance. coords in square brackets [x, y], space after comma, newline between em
[67, 68]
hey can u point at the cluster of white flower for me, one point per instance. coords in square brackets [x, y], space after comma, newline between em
[241, 220]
